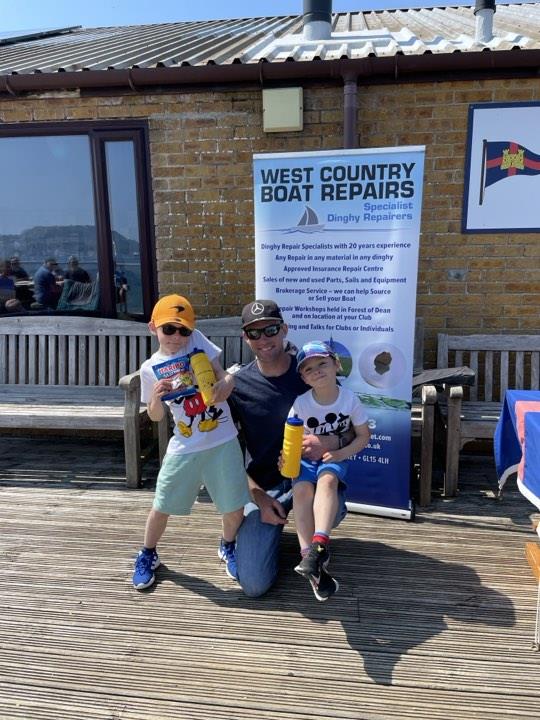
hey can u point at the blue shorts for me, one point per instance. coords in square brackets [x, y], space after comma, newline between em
[310, 471]
[220, 469]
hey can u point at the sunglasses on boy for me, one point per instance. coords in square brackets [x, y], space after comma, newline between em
[268, 331]
[172, 329]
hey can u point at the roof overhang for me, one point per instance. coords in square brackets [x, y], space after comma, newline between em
[397, 68]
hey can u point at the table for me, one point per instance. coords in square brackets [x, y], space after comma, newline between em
[517, 442]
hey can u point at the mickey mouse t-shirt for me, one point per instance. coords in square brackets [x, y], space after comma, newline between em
[196, 426]
[334, 419]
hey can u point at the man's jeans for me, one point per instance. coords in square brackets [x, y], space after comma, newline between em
[257, 543]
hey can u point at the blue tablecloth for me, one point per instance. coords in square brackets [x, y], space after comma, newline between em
[509, 449]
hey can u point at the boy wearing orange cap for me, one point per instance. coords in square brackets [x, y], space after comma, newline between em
[203, 449]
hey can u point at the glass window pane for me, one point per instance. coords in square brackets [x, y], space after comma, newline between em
[123, 211]
[47, 222]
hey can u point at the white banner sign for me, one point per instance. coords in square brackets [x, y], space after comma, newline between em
[336, 236]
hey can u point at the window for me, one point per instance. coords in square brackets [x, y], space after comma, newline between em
[75, 220]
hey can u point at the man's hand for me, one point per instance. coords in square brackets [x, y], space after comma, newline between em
[271, 510]
[224, 384]
[314, 446]
[222, 388]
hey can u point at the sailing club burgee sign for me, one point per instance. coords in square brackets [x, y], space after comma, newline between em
[336, 245]
[502, 171]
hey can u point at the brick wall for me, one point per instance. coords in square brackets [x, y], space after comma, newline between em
[201, 144]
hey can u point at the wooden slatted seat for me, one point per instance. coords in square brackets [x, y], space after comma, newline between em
[500, 362]
[63, 374]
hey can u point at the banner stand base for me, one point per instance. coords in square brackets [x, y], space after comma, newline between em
[399, 513]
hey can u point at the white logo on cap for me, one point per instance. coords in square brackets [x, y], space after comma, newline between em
[257, 308]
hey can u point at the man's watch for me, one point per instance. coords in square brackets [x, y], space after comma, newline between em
[340, 441]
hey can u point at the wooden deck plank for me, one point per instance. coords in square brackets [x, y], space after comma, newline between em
[434, 618]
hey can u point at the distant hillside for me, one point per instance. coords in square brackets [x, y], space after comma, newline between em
[61, 241]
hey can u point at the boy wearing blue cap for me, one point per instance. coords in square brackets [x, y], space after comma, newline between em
[326, 409]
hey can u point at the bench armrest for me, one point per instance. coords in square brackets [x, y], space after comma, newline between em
[130, 383]
[443, 378]
[455, 392]
[429, 394]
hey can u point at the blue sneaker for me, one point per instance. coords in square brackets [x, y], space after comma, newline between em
[227, 553]
[145, 564]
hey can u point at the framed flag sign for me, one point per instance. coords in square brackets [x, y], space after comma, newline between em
[502, 168]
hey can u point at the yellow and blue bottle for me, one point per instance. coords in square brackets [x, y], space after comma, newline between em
[204, 375]
[291, 452]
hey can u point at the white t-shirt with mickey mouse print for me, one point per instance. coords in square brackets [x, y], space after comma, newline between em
[333, 419]
[196, 427]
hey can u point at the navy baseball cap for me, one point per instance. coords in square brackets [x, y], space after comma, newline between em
[260, 310]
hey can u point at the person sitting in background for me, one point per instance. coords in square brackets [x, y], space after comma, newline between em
[58, 273]
[8, 301]
[7, 284]
[23, 290]
[17, 272]
[46, 290]
[75, 272]
[121, 286]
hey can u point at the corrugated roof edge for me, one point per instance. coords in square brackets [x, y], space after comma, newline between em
[389, 69]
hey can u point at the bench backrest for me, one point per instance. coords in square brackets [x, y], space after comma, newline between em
[226, 333]
[499, 361]
[59, 350]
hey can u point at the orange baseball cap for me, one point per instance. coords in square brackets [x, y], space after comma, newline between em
[173, 309]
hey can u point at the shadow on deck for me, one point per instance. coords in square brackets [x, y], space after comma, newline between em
[434, 618]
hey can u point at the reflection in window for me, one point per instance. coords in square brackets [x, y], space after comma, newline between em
[123, 212]
[47, 222]
[75, 219]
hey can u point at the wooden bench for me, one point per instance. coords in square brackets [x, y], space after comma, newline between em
[532, 553]
[63, 373]
[81, 374]
[500, 362]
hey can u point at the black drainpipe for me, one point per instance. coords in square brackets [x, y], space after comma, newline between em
[317, 19]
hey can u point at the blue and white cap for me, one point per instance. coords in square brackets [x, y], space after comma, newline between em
[315, 348]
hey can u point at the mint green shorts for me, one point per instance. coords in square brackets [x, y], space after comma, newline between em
[220, 469]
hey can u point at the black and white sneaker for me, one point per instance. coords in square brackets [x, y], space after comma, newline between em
[316, 560]
[324, 587]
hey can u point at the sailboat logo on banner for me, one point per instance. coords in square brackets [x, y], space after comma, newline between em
[308, 223]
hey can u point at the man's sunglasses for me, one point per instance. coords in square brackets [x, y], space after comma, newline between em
[172, 329]
[268, 331]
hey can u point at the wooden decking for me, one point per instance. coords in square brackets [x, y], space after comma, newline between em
[434, 619]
